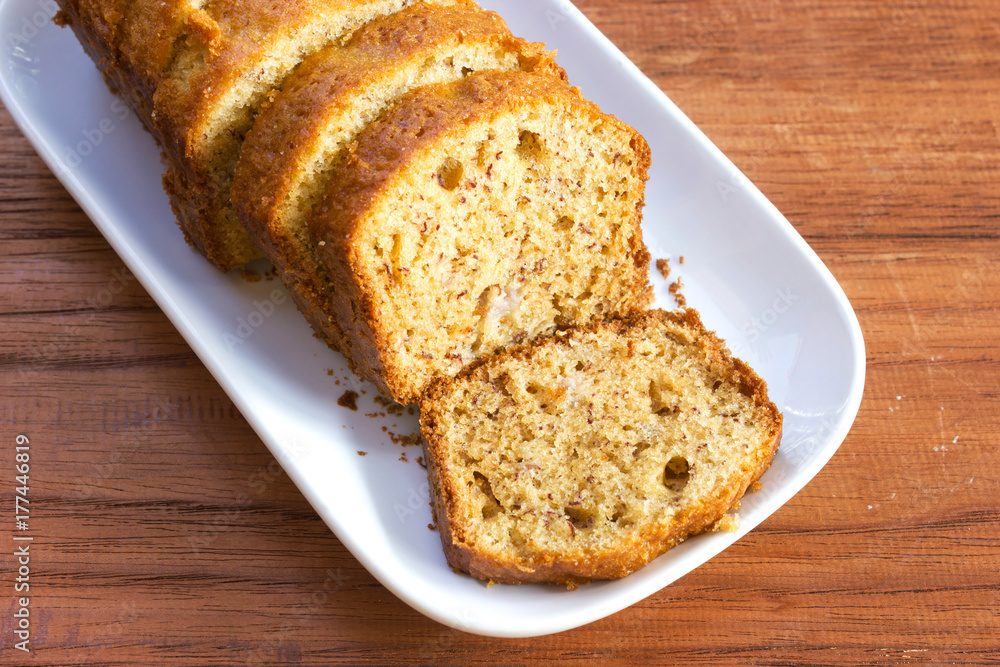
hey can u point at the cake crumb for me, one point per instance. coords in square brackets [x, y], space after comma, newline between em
[329, 371]
[680, 259]
[410, 440]
[391, 407]
[402, 457]
[421, 463]
[361, 453]
[757, 486]
[349, 400]
[729, 523]
[663, 266]
[249, 276]
[431, 526]
[675, 290]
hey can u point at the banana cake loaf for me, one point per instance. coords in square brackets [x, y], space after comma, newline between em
[589, 453]
[476, 214]
[303, 132]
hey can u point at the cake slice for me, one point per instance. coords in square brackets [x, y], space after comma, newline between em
[302, 134]
[477, 214]
[588, 454]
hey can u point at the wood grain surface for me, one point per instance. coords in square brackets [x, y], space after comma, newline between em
[874, 125]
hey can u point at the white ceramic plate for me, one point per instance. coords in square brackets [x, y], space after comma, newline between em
[750, 274]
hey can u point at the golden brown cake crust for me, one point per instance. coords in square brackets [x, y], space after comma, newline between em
[628, 555]
[147, 39]
[134, 41]
[380, 159]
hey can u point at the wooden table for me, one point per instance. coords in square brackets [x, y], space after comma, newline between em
[874, 126]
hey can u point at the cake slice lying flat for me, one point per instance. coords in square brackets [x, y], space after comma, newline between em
[587, 454]
[302, 134]
[477, 214]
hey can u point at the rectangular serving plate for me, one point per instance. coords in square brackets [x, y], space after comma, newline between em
[748, 272]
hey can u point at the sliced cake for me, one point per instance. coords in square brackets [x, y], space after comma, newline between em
[588, 454]
[477, 214]
[302, 134]
[220, 75]
[197, 72]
